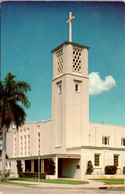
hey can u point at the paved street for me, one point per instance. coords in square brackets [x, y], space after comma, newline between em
[7, 189]
[50, 188]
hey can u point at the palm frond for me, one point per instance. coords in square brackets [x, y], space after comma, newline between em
[13, 93]
[23, 86]
[19, 115]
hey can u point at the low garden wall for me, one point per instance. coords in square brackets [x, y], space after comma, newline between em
[104, 176]
[51, 177]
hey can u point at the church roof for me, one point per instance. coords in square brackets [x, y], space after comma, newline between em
[72, 43]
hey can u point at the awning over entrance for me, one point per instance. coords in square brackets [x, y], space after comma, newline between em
[75, 156]
[66, 165]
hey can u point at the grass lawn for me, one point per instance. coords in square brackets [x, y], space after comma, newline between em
[111, 181]
[13, 183]
[58, 181]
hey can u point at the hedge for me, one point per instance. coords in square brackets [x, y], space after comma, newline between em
[110, 169]
[32, 175]
[123, 169]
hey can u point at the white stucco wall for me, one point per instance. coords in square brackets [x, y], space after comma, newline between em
[106, 157]
[70, 109]
[9, 144]
[29, 147]
[69, 168]
[97, 131]
[46, 139]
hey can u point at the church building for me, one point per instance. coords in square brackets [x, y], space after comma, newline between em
[68, 138]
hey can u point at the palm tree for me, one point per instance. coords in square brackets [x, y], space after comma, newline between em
[13, 99]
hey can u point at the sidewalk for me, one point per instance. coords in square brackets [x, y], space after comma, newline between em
[91, 185]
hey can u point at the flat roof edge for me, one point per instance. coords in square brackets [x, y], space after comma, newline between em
[72, 43]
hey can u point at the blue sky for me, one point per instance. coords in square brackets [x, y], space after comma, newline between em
[30, 30]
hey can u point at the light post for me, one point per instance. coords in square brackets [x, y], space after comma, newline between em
[0, 41]
[39, 166]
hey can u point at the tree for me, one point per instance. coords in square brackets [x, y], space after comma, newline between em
[49, 166]
[13, 100]
[19, 166]
[89, 167]
[123, 169]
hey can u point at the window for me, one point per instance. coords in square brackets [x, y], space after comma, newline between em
[105, 140]
[96, 159]
[21, 144]
[59, 87]
[76, 87]
[116, 160]
[123, 141]
[28, 144]
[78, 166]
[77, 60]
[38, 142]
[14, 146]
[38, 134]
[60, 61]
[24, 144]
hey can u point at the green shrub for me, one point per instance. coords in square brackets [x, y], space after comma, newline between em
[110, 169]
[32, 175]
[7, 173]
[89, 168]
[124, 170]
[19, 166]
[49, 166]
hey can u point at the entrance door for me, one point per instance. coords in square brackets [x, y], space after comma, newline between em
[36, 165]
[59, 168]
[27, 165]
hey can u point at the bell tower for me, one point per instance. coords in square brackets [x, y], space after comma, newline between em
[70, 96]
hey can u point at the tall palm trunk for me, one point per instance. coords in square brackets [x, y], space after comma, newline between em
[4, 154]
[12, 94]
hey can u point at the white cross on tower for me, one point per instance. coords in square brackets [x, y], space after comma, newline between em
[70, 25]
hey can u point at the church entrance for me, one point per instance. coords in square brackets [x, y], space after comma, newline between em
[27, 165]
[59, 168]
[36, 165]
[33, 165]
[69, 168]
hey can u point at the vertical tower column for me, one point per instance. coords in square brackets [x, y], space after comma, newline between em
[70, 96]
[32, 165]
[42, 165]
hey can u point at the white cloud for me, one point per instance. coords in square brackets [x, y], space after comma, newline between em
[97, 85]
